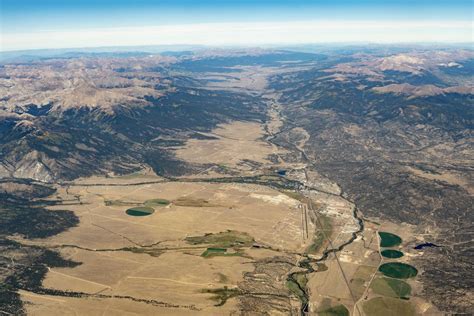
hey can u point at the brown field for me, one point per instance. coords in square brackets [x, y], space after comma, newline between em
[346, 279]
[148, 264]
[148, 258]
[237, 143]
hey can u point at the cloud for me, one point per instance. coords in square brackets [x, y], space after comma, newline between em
[246, 34]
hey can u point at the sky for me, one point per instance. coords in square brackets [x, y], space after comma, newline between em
[38, 24]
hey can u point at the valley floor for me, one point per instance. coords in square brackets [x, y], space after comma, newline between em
[249, 234]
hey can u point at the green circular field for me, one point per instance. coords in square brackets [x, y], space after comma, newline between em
[392, 254]
[398, 270]
[388, 306]
[391, 287]
[389, 239]
[140, 211]
[156, 202]
[339, 310]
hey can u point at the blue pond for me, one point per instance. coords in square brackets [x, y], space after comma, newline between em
[426, 244]
[281, 172]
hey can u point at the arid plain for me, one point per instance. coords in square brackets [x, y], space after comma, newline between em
[212, 240]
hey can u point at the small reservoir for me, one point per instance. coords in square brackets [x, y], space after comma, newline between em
[425, 245]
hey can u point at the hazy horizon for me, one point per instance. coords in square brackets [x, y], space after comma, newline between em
[54, 24]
